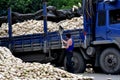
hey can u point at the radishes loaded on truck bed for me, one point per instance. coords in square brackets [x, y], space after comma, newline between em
[97, 44]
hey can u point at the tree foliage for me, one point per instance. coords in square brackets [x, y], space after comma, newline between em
[30, 6]
[63, 4]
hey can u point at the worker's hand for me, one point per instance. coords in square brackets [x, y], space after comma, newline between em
[62, 40]
[63, 46]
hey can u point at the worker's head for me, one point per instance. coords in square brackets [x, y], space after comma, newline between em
[68, 35]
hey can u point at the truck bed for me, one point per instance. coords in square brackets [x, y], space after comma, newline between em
[34, 42]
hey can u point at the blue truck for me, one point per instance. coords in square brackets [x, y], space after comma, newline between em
[97, 44]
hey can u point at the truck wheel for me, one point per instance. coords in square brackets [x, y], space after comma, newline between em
[78, 63]
[110, 61]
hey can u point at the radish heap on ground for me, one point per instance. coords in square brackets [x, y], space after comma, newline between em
[12, 68]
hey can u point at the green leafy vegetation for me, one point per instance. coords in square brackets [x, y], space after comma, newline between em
[30, 6]
[63, 4]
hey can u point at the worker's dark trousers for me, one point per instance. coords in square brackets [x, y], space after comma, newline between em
[69, 63]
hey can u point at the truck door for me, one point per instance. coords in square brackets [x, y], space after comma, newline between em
[101, 25]
[113, 31]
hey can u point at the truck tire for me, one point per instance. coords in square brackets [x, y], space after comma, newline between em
[78, 63]
[110, 61]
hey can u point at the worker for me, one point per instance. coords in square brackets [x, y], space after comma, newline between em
[69, 52]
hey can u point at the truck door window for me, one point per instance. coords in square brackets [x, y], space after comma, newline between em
[101, 18]
[114, 16]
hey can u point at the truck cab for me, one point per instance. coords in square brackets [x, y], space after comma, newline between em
[108, 22]
[102, 19]
[102, 25]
